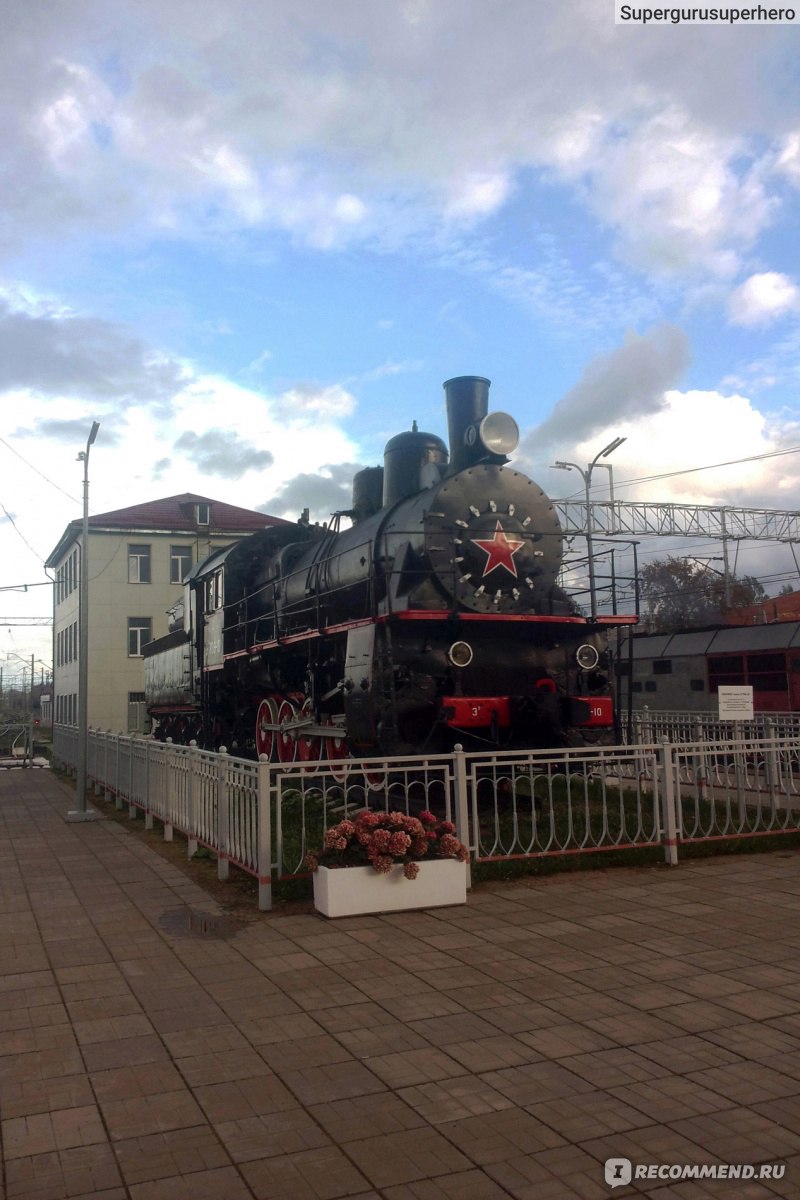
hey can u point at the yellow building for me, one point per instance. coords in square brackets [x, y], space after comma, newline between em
[138, 558]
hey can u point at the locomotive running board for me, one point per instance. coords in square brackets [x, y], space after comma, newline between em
[425, 614]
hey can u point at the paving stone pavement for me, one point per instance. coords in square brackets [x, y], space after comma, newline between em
[504, 1048]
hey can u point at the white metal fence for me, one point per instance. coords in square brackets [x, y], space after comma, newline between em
[264, 817]
[651, 725]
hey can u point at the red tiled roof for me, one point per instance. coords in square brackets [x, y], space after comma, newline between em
[175, 514]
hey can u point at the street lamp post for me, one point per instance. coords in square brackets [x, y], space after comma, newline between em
[82, 813]
[586, 476]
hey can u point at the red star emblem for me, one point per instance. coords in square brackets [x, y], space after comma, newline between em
[500, 551]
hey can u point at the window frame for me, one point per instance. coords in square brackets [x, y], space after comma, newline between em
[136, 626]
[179, 555]
[140, 553]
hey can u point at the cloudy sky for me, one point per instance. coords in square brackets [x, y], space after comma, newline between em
[251, 238]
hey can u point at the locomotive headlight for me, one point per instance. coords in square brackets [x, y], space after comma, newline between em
[460, 654]
[498, 433]
[587, 657]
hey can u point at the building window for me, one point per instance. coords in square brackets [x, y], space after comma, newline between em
[697, 685]
[140, 632]
[202, 514]
[138, 564]
[137, 712]
[649, 685]
[662, 666]
[180, 563]
[726, 671]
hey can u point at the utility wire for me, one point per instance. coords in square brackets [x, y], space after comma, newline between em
[38, 472]
[19, 534]
[711, 466]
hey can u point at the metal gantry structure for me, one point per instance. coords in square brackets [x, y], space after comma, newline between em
[629, 520]
[634, 518]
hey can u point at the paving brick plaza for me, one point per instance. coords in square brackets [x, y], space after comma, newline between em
[507, 1048]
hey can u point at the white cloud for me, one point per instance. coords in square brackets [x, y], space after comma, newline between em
[693, 431]
[763, 298]
[340, 122]
[789, 157]
[331, 401]
[478, 195]
[680, 196]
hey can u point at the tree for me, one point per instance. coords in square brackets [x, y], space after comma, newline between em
[681, 593]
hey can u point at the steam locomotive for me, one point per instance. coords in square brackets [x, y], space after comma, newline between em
[435, 617]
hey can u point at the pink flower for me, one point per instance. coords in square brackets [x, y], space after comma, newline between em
[447, 827]
[449, 846]
[383, 864]
[312, 862]
[411, 870]
[428, 817]
[369, 819]
[398, 844]
[380, 839]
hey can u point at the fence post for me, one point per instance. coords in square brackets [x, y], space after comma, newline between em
[669, 816]
[101, 784]
[699, 762]
[147, 778]
[223, 820]
[148, 808]
[462, 804]
[773, 772]
[264, 802]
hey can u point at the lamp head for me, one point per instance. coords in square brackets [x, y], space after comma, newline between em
[612, 446]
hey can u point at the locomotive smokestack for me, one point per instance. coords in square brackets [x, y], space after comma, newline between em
[467, 399]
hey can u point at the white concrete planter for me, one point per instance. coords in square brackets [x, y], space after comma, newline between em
[353, 891]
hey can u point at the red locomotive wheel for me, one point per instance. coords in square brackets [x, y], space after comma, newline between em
[285, 740]
[266, 738]
[308, 745]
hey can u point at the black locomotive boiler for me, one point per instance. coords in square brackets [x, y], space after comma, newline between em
[433, 618]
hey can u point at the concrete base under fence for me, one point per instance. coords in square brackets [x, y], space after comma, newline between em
[85, 814]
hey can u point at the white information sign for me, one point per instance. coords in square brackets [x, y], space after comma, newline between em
[736, 703]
